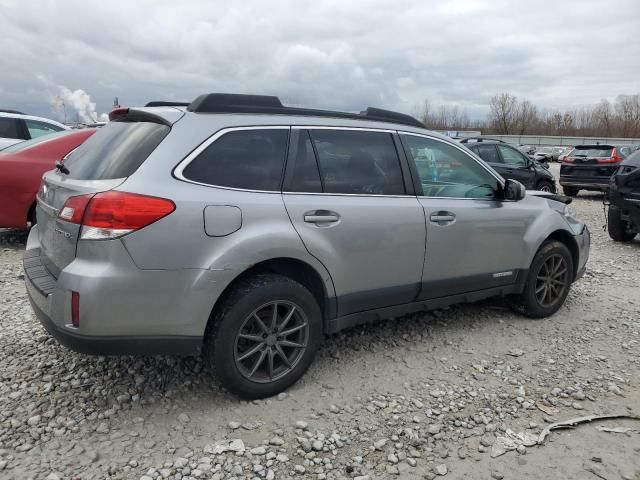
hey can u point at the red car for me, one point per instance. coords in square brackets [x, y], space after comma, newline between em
[22, 166]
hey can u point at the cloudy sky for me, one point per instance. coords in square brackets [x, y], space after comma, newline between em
[331, 54]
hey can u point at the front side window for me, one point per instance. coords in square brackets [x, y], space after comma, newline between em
[512, 157]
[358, 162]
[246, 159]
[38, 129]
[446, 171]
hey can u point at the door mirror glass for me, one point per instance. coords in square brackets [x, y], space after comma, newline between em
[513, 190]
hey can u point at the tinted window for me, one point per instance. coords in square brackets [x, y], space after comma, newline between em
[446, 171]
[513, 157]
[249, 159]
[9, 128]
[305, 176]
[488, 153]
[115, 151]
[602, 152]
[356, 162]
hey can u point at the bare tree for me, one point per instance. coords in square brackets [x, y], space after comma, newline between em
[503, 108]
[526, 116]
[627, 109]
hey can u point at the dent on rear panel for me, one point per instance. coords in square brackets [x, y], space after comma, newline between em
[222, 220]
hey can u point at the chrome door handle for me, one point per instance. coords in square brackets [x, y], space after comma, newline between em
[442, 217]
[321, 216]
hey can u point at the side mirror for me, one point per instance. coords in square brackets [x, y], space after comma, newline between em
[513, 190]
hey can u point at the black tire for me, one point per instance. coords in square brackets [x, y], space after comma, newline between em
[528, 303]
[225, 347]
[619, 229]
[570, 191]
[546, 186]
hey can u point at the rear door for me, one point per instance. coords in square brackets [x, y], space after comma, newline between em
[101, 163]
[354, 213]
[517, 166]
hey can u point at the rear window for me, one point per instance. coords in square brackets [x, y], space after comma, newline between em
[115, 151]
[591, 152]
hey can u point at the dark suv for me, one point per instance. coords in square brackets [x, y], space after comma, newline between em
[511, 163]
[589, 167]
[624, 195]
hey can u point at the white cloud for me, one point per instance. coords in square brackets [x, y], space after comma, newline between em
[328, 54]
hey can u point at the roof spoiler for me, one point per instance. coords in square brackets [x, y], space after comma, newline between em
[162, 103]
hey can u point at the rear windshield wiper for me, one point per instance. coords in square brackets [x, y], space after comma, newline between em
[62, 169]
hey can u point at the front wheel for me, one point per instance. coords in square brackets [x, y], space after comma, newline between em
[570, 191]
[264, 336]
[619, 229]
[546, 186]
[548, 281]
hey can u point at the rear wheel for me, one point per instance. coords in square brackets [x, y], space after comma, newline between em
[264, 336]
[546, 186]
[619, 229]
[570, 191]
[548, 281]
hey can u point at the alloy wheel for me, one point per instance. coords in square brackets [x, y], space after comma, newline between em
[271, 341]
[552, 280]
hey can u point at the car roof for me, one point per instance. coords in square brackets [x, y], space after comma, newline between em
[32, 117]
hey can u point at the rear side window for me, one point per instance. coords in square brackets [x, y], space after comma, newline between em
[9, 128]
[305, 176]
[354, 162]
[488, 153]
[247, 159]
[115, 151]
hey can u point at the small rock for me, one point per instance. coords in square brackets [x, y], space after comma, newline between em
[234, 425]
[577, 406]
[392, 470]
[183, 417]
[258, 451]
[276, 441]
[440, 469]
[497, 475]
[299, 469]
[391, 458]
[379, 445]
[302, 425]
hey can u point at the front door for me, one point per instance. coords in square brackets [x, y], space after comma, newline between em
[517, 166]
[474, 241]
[346, 196]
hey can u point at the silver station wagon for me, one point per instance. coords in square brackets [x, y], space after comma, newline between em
[244, 230]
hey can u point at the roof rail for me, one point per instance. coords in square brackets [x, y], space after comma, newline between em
[162, 103]
[6, 110]
[480, 140]
[266, 104]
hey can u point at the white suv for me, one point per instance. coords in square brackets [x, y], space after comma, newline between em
[16, 127]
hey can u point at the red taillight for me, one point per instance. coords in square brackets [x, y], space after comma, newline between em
[75, 309]
[568, 159]
[116, 112]
[113, 214]
[74, 208]
[615, 158]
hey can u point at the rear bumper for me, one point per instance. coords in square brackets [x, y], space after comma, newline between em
[123, 309]
[93, 345]
[595, 183]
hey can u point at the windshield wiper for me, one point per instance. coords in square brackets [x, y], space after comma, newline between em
[62, 169]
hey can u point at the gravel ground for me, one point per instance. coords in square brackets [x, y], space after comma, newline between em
[460, 393]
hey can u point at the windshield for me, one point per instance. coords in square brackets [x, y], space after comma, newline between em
[16, 147]
[545, 150]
